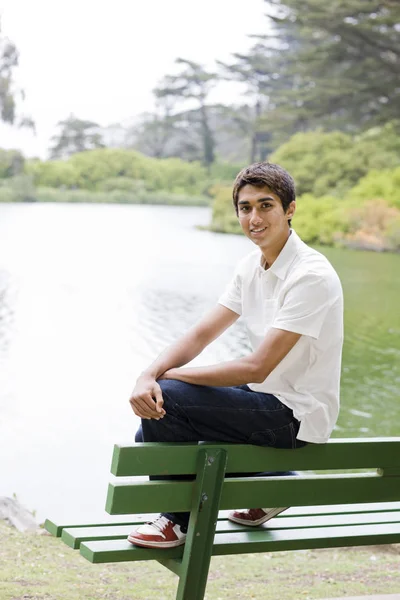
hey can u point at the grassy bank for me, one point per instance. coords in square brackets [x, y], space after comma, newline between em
[41, 567]
[43, 194]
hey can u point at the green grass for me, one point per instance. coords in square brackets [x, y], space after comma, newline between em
[34, 566]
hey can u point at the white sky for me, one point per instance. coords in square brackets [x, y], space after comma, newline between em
[100, 59]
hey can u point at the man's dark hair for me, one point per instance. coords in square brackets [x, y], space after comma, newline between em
[267, 174]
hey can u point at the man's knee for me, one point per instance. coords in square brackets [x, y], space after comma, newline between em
[139, 435]
[173, 390]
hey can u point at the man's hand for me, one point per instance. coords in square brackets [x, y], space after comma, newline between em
[146, 399]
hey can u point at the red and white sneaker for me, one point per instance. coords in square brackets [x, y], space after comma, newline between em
[254, 516]
[160, 533]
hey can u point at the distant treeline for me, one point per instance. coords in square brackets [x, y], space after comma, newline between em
[348, 187]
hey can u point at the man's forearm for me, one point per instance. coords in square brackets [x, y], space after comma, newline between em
[178, 354]
[234, 372]
[193, 342]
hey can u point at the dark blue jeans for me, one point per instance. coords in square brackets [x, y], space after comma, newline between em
[220, 414]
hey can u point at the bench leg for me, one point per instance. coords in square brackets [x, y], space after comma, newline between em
[202, 524]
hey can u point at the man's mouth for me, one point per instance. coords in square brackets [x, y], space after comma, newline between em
[258, 230]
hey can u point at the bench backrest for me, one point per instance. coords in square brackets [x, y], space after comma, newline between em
[328, 474]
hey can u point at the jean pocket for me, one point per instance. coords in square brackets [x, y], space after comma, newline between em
[282, 437]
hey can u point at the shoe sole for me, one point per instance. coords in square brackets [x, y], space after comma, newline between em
[270, 515]
[150, 544]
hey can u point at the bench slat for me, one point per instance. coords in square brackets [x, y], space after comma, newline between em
[74, 536]
[165, 496]
[255, 541]
[168, 459]
[56, 530]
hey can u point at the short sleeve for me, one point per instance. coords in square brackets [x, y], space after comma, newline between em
[232, 296]
[305, 306]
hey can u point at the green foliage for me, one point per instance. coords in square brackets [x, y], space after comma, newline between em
[11, 163]
[178, 176]
[94, 166]
[75, 135]
[379, 185]
[375, 225]
[224, 172]
[330, 210]
[224, 218]
[43, 194]
[8, 63]
[52, 173]
[324, 64]
[192, 83]
[107, 169]
[122, 184]
[317, 220]
[331, 163]
[19, 188]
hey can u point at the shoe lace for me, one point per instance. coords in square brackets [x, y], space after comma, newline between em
[160, 523]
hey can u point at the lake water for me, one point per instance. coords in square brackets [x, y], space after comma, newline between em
[90, 294]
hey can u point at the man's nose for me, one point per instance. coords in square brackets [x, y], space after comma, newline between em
[255, 217]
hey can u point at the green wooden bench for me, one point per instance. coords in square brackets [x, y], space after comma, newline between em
[330, 506]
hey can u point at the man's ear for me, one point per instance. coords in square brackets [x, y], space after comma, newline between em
[291, 209]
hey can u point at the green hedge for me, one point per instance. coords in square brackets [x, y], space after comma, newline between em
[90, 170]
[332, 163]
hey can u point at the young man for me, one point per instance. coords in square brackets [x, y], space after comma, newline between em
[285, 393]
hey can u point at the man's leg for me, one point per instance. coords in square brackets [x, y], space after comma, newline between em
[224, 414]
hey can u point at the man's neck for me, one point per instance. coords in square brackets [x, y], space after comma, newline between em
[269, 255]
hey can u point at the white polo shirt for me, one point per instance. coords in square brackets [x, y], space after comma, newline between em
[300, 292]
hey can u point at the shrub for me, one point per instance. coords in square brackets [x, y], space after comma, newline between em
[118, 197]
[224, 218]
[11, 163]
[317, 220]
[373, 226]
[17, 189]
[332, 163]
[379, 184]
[122, 184]
[52, 173]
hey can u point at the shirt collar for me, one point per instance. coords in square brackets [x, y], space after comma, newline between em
[286, 256]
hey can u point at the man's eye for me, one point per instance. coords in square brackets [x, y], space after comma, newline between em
[244, 208]
[266, 204]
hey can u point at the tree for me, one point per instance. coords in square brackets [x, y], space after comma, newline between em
[155, 131]
[334, 65]
[192, 83]
[346, 62]
[255, 69]
[75, 135]
[11, 163]
[9, 57]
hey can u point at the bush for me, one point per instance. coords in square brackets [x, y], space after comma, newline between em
[177, 176]
[122, 184]
[17, 189]
[11, 163]
[379, 184]
[224, 218]
[6, 194]
[373, 226]
[118, 197]
[52, 173]
[332, 163]
[108, 168]
[317, 220]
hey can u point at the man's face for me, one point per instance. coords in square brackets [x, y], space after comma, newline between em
[262, 217]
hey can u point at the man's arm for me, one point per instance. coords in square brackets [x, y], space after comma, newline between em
[190, 345]
[253, 368]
